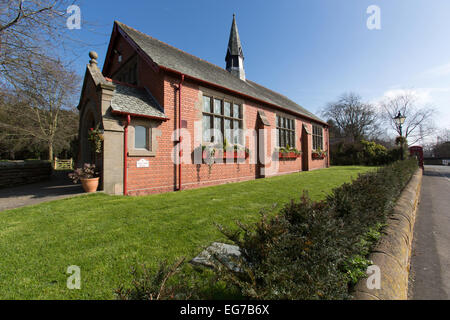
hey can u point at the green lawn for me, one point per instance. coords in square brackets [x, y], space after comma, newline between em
[106, 235]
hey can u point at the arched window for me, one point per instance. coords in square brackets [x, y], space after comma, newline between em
[140, 137]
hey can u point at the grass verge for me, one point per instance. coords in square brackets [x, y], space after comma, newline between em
[106, 235]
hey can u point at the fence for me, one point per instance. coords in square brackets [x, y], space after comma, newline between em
[14, 173]
[63, 164]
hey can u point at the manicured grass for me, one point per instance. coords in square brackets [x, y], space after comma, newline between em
[106, 235]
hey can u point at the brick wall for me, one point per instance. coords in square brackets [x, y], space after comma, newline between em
[162, 174]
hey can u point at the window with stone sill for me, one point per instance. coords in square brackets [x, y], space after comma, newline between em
[285, 132]
[141, 140]
[317, 137]
[224, 116]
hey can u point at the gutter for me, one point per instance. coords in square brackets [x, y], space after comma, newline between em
[125, 156]
[122, 113]
[180, 153]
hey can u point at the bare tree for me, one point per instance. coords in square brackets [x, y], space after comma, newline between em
[353, 118]
[42, 107]
[16, 11]
[443, 135]
[418, 123]
[28, 30]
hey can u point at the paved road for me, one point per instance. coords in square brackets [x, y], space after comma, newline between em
[430, 261]
[54, 189]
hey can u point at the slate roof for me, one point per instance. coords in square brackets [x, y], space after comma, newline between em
[135, 100]
[172, 58]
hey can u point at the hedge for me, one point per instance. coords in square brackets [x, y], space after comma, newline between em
[364, 153]
[309, 250]
[317, 250]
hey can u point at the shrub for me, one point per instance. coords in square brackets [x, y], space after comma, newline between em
[309, 250]
[374, 154]
[88, 171]
[317, 250]
[148, 285]
[346, 154]
[363, 153]
[177, 281]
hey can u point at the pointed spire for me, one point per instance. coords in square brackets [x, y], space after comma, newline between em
[234, 43]
[235, 55]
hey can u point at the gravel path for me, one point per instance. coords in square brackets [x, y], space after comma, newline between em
[53, 189]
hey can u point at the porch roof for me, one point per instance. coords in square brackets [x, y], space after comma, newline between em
[136, 101]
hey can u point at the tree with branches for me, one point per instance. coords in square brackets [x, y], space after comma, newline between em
[352, 118]
[41, 109]
[418, 124]
[37, 88]
[28, 30]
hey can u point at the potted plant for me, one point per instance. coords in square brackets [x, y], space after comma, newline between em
[88, 177]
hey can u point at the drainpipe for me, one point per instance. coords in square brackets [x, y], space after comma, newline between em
[125, 156]
[180, 152]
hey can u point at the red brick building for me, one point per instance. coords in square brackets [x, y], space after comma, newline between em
[172, 121]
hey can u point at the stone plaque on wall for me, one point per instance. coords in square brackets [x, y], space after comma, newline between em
[143, 163]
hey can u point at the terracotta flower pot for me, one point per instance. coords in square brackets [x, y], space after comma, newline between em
[90, 185]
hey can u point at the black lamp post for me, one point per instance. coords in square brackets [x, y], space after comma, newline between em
[399, 121]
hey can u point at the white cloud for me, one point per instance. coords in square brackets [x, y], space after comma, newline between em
[422, 95]
[438, 71]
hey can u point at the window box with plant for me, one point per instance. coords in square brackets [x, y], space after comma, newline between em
[88, 176]
[285, 153]
[225, 152]
[319, 154]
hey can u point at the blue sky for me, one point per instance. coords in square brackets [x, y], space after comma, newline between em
[309, 50]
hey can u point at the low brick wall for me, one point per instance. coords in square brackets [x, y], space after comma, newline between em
[14, 173]
[393, 252]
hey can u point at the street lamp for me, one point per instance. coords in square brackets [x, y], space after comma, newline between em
[399, 121]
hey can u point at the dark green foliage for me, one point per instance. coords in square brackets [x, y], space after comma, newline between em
[178, 281]
[148, 285]
[317, 250]
[309, 250]
[363, 153]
